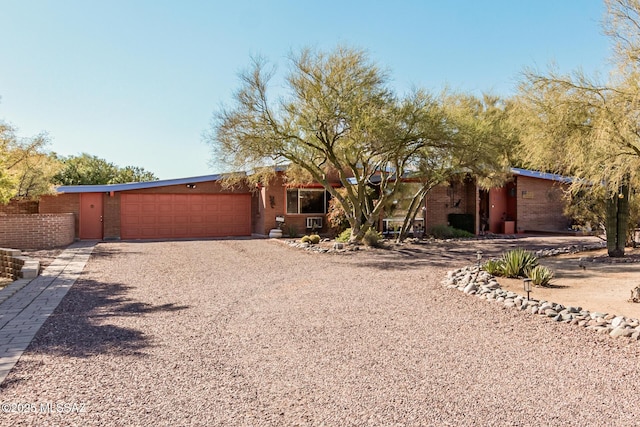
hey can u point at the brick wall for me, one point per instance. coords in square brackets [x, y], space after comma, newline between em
[62, 203]
[208, 187]
[111, 216]
[540, 205]
[271, 202]
[19, 207]
[37, 231]
[458, 198]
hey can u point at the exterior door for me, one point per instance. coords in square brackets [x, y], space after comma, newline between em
[91, 216]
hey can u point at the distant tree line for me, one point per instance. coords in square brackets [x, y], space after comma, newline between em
[28, 170]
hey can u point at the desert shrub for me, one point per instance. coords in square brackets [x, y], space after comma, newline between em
[494, 267]
[517, 262]
[540, 275]
[344, 236]
[372, 238]
[447, 232]
[336, 216]
[292, 231]
[305, 239]
[314, 239]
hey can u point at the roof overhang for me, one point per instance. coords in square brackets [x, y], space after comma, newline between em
[107, 188]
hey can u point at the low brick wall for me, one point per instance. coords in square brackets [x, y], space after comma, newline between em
[37, 231]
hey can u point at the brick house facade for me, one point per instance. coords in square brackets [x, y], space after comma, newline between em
[194, 207]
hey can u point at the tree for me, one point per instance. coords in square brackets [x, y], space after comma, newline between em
[339, 117]
[576, 126]
[25, 168]
[86, 169]
[479, 142]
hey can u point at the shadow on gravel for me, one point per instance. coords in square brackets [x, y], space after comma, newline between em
[410, 259]
[85, 322]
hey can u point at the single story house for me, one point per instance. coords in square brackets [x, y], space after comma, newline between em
[200, 207]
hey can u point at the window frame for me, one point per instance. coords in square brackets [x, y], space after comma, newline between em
[298, 190]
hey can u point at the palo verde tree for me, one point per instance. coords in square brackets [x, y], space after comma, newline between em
[574, 125]
[475, 139]
[339, 116]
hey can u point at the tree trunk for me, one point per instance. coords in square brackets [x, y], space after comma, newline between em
[617, 222]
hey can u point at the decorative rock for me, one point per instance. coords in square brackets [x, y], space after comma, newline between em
[615, 322]
[471, 287]
[471, 281]
[621, 332]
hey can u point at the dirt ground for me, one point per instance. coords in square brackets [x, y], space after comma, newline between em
[600, 286]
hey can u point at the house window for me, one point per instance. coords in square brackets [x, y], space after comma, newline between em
[306, 201]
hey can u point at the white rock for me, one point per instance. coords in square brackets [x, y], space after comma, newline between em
[617, 321]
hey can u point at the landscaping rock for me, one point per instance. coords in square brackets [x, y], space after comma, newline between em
[471, 281]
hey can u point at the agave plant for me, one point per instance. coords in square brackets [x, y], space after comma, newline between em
[493, 267]
[540, 275]
[517, 262]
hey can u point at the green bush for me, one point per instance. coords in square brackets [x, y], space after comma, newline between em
[517, 262]
[292, 231]
[314, 239]
[344, 236]
[494, 267]
[372, 238]
[447, 232]
[540, 275]
[305, 239]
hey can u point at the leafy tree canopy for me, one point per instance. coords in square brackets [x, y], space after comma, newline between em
[86, 169]
[26, 168]
[575, 125]
[340, 117]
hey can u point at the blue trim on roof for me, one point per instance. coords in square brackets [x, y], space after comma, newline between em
[136, 185]
[542, 175]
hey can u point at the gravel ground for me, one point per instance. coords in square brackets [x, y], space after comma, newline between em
[253, 332]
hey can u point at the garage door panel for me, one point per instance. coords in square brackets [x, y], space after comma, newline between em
[158, 216]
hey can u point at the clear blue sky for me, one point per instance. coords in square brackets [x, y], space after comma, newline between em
[136, 82]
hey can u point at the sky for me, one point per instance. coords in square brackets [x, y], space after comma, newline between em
[136, 82]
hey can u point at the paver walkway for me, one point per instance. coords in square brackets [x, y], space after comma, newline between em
[24, 308]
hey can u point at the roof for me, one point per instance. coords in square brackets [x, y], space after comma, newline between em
[135, 185]
[542, 175]
[196, 179]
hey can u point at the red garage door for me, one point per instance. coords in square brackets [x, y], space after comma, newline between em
[167, 216]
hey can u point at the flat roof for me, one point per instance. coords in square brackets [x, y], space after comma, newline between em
[135, 185]
[542, 175]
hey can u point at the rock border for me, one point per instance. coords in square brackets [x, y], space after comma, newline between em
[472, 280]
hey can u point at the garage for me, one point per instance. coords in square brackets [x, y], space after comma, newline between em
[169, 216]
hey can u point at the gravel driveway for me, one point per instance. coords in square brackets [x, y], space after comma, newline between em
[252, 332]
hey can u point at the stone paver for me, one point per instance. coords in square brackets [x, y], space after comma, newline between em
[26, 304]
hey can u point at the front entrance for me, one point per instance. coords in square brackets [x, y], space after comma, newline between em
[91, 216]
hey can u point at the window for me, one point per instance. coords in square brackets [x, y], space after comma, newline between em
[306, 201]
